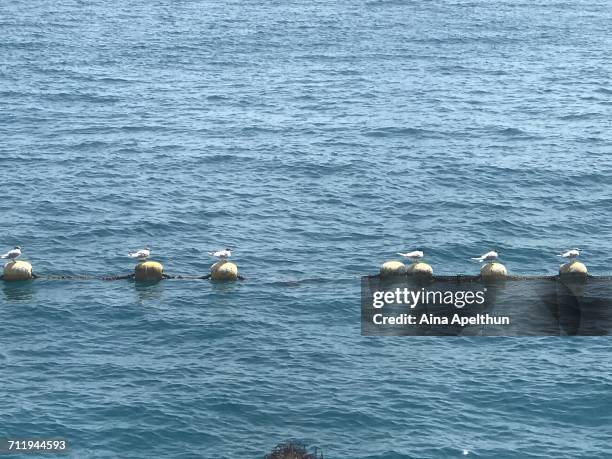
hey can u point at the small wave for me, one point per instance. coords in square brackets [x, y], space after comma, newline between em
[513, 132]
[76, 97]
[400, 132]
[115, 80]
[216, 98]
[579, 116]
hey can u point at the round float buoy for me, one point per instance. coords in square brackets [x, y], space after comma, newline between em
[420, 269]
[493, 271]
[17, 271]
[573, 268]
[224, 271]
[149, 271]
[392, 268]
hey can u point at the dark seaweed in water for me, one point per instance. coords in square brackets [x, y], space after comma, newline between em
[292, 450]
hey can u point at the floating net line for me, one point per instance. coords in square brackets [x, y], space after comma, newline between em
[480, 278]
[434, 278]
[86, 277]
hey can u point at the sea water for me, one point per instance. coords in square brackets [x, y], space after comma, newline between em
[315, 139]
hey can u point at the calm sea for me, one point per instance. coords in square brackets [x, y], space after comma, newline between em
[316, 139]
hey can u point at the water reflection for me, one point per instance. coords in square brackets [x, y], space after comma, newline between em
[18, 290]
[148, 291]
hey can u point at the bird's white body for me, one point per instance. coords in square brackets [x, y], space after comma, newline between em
[489, 256]
[222, 254]
[412, 256]
[12, 254]
[141, 254]
[571, 254]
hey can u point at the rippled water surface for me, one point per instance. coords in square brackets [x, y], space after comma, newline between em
[315, 139]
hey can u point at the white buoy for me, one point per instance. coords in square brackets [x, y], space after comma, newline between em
[573, 268]
[17, 271]
[493, 271]
[224, 271]
[392, 268]
[420, 268]
[149, 271]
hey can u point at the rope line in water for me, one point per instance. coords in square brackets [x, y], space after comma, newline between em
[114, 278]
[440, 278]
[478, 277]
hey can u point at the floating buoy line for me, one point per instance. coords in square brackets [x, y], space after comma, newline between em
[145, 271]
[491, 271]
[223, 270]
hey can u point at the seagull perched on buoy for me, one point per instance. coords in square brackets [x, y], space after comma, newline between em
[222, 254]
[12, 254]
[489, 256]
[412, 256]
[571, 254]
[141, 254]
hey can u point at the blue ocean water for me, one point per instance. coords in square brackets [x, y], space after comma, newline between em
[315, 139]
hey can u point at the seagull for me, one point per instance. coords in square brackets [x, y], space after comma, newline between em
[412, 256]
[12, 254]
[222, 254]
[571, 254]
[141, 254]
[489, 256]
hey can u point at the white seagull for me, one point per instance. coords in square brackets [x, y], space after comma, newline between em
[12, 254]
[412, 256]
[489, 256]
[222, 254]
[571, 254]
[141, 254]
